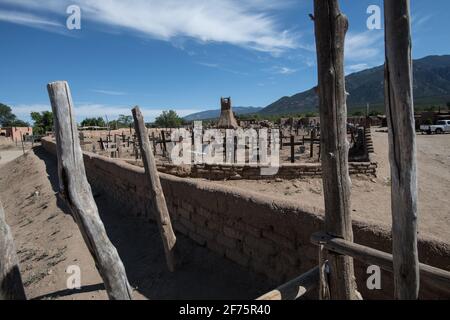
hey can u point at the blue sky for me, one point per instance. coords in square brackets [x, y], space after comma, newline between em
[182, 54]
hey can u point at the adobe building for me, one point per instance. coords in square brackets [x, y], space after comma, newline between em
[16, 133]
[227, 119]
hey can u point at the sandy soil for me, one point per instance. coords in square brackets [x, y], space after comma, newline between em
[48, 241]
[371, 196]
[9, 151]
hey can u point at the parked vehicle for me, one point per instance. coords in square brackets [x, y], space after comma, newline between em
[442, 126]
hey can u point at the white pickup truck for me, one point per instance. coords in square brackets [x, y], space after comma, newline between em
[442, 126]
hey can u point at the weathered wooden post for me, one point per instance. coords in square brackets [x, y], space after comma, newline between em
[402, 147]
[313, 138]
[164, 144]
[11, 286]
[330, 29]
[281, 139]
[292, 148]
[154, 143]
[76, 191]
[157, 195]
[23, 146]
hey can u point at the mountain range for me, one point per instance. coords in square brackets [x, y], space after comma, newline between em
[213, 114]
[431, 86]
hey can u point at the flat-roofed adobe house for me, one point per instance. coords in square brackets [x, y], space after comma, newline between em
[16, 133]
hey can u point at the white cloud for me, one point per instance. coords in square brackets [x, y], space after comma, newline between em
[364, 46]
[283, 70]
[357, 67]
[245, 23]
[219, 67]
[109, 92]
[88, 110]
[30, 20]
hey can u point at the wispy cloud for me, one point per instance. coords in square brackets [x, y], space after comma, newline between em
[219, 67]
[109, 92]
[31, 20]
[356, 67]
[246, 23]
[418, 21]
[209, 65]
[283, 70]
[364, 46]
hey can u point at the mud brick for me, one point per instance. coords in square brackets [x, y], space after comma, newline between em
[181, 228]
[197, 238]
[264, 246]
[204, 213]
[226, 242]
[205, 233]
[233, 233]
[188, 224]
[237, 257]
[215, 247]
[198, 220]
[213, 225]
[279, 239]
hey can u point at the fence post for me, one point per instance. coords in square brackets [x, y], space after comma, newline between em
[157, 195]
[330, 29]
[402, 147]
[292, 149]
[75, 189]
[11, 286]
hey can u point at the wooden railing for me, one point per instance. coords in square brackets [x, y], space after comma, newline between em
[300, 286]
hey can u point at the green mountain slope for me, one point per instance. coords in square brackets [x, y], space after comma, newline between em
[431, 86]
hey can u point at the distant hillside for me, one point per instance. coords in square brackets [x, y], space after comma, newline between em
[213, 114]
[431, 86]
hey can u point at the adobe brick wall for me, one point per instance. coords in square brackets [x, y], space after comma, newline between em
[286, 170]
[267, 235]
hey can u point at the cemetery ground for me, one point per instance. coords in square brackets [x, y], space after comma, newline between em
[371, 195]
[48, 240]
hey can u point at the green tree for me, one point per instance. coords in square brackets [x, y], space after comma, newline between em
[357, 113]
[168, 119]
[6, 115]
[9, 119]
[93, 122]
[448, 105]
[43, 122]
[124, 121]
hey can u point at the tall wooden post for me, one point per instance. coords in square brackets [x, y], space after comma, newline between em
[76, 191]
[157, 195]
[402, 147]
[330, 29]
[11, 286]
[292, 149]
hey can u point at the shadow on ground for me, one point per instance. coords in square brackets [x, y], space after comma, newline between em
[200, 274]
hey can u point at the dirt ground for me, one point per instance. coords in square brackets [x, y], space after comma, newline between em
[371, 196]
[48, 242]
[9, 151]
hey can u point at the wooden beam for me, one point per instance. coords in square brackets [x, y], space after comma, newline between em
[76, 191]
[157, 195]
[295, 288]
[438, 278]
[11, 286]
[402, 147]
[330, 30]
